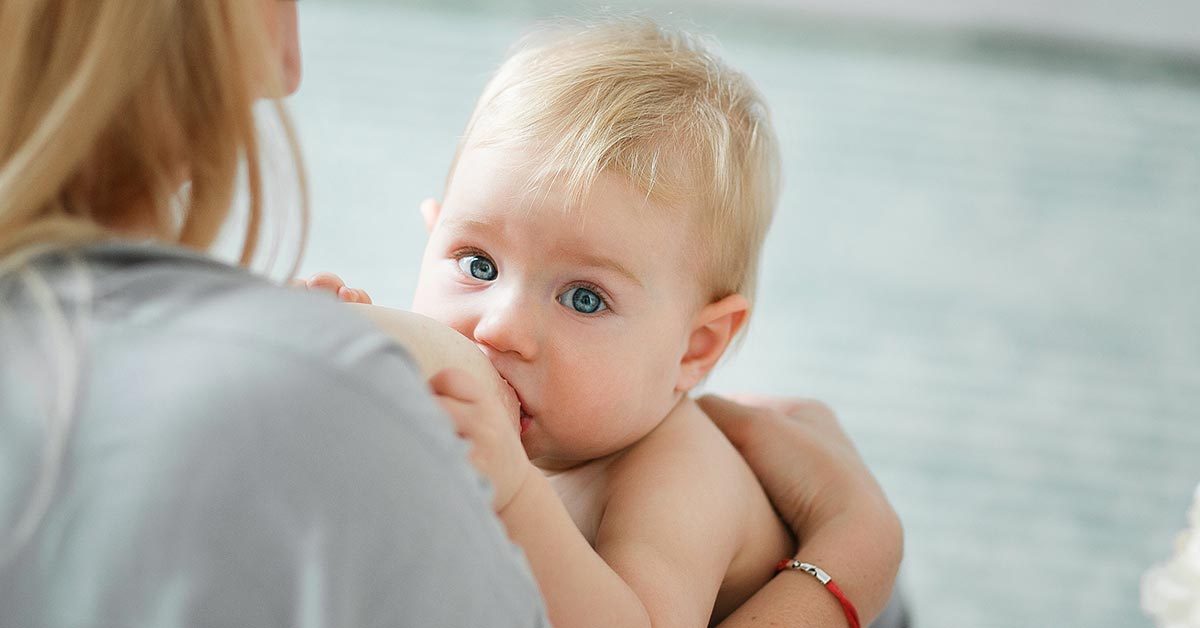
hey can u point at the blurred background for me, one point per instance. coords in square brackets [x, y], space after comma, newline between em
[986, 255]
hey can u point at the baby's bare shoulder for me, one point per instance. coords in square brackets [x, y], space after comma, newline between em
[685, 455]
[687, 482]
[674, 512]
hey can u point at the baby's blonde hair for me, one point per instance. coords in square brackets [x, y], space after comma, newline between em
[656, 106]
[107, 106]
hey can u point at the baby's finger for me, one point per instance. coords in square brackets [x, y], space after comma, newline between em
[353, 295]
[325, 281]
[461, 415]
[455, 384]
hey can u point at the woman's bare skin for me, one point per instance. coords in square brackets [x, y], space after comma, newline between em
[435, 347]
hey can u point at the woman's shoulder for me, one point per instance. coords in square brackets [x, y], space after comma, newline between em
[192, 331]
[172, 290]
[171, 351]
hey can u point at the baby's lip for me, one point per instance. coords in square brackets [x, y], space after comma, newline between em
[525, 420]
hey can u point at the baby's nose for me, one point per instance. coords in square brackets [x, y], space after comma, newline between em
[508, 329]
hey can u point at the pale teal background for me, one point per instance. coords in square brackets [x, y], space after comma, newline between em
[986, 259]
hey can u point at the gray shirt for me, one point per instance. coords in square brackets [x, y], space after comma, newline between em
[234, 454]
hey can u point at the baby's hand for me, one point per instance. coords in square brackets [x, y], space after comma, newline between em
[330, 282]
[484, 420]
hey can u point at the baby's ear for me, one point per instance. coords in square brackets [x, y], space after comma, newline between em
[712, 330]
[430, 210]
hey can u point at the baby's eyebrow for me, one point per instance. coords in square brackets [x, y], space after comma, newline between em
[460, 225]
[570, 252]
[600, 261]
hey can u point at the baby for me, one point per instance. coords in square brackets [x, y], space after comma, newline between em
[598, 242]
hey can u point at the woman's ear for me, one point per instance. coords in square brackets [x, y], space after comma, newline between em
[430, 210]
[712, 330]
[282, 25]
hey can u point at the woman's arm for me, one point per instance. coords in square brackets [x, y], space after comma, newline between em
[820, 485]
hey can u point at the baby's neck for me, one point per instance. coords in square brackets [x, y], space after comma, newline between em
[551, 467]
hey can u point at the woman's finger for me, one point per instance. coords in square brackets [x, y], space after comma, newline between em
[791, 407]
[733, 418]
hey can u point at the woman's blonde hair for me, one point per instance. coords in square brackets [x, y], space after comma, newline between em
[654, 105]
[107, 107]
[121, 117]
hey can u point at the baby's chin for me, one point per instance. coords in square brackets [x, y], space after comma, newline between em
[550, 455]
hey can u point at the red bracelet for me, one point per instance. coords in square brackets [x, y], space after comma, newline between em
[820, 575]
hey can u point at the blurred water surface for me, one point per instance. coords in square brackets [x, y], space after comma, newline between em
[985, 259]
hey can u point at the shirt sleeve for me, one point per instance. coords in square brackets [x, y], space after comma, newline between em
[278, 490]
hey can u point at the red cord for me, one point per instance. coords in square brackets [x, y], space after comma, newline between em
[824, 578]
[847, 607]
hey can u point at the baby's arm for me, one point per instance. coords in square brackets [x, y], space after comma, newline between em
[578, 586]
[675, 519]
[668, 544]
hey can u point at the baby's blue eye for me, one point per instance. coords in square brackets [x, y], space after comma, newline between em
[582, 300]
[478, 267]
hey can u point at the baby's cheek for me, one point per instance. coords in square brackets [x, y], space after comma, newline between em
[607, 412]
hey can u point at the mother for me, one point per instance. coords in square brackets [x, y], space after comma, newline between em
[184, 443]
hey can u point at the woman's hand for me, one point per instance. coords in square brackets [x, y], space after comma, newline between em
[804, 460]
[824, 491]
[330, 282]
[491, 424]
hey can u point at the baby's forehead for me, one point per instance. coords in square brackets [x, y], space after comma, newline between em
[610, 215]
[578, 180]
